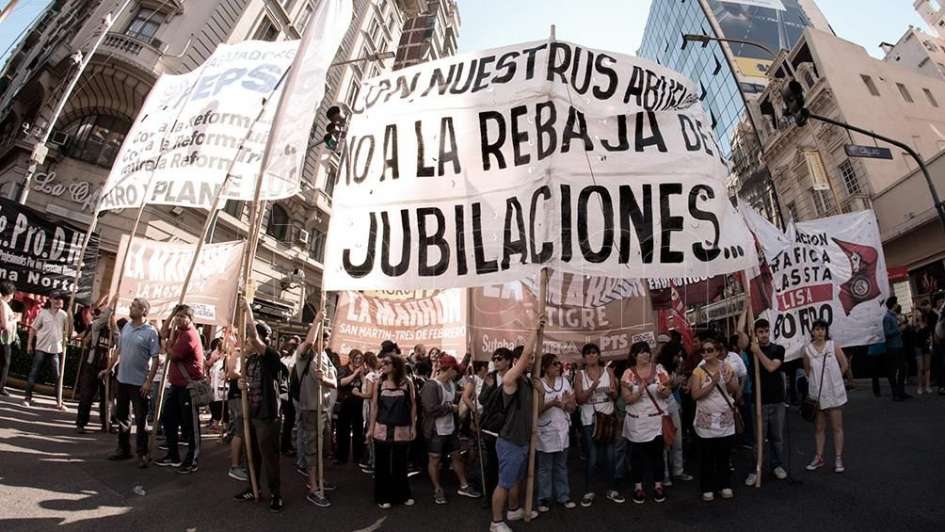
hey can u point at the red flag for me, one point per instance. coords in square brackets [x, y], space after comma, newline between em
[677, 317]
[862, 285]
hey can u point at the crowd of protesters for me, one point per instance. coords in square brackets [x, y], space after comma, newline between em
[661, 414]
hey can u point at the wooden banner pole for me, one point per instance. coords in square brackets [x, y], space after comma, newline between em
[319, 435]
[536, 395]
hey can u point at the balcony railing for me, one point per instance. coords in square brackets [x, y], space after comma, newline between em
[144, 55]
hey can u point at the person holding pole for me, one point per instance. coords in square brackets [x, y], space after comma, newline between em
[138, 347]
[770, 356]
[316, 375]
[185, 360]
[99, 341]
[514, 436]
[260, 380]
[45, 341]
[493, 415]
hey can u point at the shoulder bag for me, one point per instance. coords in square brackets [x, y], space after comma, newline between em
[669, 428]
[295, 380]
[736, 415]
[200, 392]
[809, 407]
[605, 425]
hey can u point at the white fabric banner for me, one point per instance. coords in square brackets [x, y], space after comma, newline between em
[156, 272]
[831, 269]
[482, 168]
[193, 127]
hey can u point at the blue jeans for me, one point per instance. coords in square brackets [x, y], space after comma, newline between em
[553, 476]
[772, 427]
[620, 458]
[598, 452]
[300, 461]
[39, 358]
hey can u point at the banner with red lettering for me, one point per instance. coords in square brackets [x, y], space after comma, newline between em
[831, 269]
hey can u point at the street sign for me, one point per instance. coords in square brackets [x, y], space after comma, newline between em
[870, 152]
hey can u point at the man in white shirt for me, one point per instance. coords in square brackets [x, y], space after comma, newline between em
[45, 342]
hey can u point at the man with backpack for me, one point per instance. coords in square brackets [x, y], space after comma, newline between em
[493, 413]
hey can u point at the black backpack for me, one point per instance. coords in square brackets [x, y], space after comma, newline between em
[493, 408]
[295, 381]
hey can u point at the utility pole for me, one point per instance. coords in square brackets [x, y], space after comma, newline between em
[40, 150]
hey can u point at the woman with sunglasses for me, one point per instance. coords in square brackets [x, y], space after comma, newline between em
[595, 389]
[713, 385]
[553, 427]
[645, 386]
[392, 427]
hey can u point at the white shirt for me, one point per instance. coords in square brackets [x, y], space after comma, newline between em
[644, 421]
[554, 422]
[445, 424]
[600, 400]
[49, 330]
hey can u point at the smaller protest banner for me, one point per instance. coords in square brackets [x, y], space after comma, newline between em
[40, 256]
[156, 272]
[434, 318]
[830, 269]
[612, 313]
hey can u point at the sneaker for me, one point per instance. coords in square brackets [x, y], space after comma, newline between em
[685, 477]
[275, 504]
[62, 408]
[384, 506]
[639, 496]
[518, 514]
[316, 499]
[659, 494]
[727, 493]
[412, 472]
[187, 469]
[615, 496]
[569, 504]
[245, 496]
[838, 466]
[143, 461]
[237, 473]
[542, 508]
[119, 456]
[780, 473]
[439, 497]
[499, 527]
[168, 462]
[919, 391]
[410, 502]
[587, 500]
[27, 403]
[668, 482]
[468, 491]
[708, 496]
[750, 479]
[816, 464]
[328, 486]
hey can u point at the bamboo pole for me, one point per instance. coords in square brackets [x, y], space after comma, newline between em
[759, 433]
[319, 458]
[536, 395]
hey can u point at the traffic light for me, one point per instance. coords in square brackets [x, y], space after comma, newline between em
[793, 95]
[335, 130]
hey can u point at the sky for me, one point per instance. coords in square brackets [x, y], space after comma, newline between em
[615, 25]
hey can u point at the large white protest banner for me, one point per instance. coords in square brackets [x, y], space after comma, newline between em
[194, 127]
[483, 168]
[156, 271]
[830, 269]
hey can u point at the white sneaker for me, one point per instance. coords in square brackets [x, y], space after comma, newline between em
[499, 527]
[708, 496]
[727, 493]
[918, 391]
[780, 473]
[838, 466]
[409, 502]
[519, 514]
[751, 479]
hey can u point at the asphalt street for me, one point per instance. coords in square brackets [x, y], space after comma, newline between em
[51, 477]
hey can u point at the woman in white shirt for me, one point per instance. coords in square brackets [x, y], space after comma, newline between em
[645, 386]
[825, 364]
[595, 388]
[553, 427]
[713, 385]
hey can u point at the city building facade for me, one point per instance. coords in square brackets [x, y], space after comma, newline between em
[429, 35]
[148, 39]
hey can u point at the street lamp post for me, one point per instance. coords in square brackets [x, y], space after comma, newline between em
[704, 39]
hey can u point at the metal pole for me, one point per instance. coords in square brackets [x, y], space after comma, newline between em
[939, 208]
[40, 149]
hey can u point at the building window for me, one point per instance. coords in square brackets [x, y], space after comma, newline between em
[850, 180]
[278, 226]
[792, 210]
[904, 92]
[266, 31]
[932, 101]
[821, 202]
[145, 24]
[808, 79]
[868, 81]
[316, 245]
[304, 17]
[234, 208]
[96, 139]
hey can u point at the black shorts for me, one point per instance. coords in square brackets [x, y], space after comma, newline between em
[443, 445]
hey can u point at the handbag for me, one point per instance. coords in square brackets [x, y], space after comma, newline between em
[736, 415]
[605, 427]
[669, 428]
[809, 407]
[200, 392]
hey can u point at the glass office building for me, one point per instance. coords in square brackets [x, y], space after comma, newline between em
[775, 23]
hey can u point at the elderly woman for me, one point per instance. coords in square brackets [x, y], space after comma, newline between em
[553, 428]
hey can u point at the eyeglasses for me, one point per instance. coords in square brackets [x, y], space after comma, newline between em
[497, 358]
